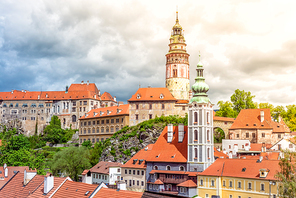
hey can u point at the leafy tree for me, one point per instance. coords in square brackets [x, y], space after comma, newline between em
[72, 161]
[87, 144]
[242, 100]
[96, 153]
[226, 110]
[287, 175]
[218, 135]
[54, 132]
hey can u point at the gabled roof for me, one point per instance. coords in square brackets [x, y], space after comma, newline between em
[75, 189]
[219, 154]
[84, 87]
[242, 168]
[107, 112]
[189, 184]
[12, 170]
[106, 96]
[103, 192]
[250, 119]
[39, 192]
[103, 167]
[152, 94]
[16, 188]
[174, 151]
[139, 159]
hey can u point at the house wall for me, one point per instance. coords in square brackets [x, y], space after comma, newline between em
[235, 191]
[97, 178]
[128, 175]
[284, 145]
[114, 175]
[92, 129]
[143, 111]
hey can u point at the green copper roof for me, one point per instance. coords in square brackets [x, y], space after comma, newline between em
[200, 87]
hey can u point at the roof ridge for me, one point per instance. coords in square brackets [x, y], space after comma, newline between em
[9, 180]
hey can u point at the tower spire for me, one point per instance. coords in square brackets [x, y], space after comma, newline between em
[177, 19]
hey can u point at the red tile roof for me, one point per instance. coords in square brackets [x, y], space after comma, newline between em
[75, 189]
[152, 94]
[106, 96]
[219, 154]
[11, 171]
[158, 181]
[174, 151]
[103, 192]
[84, 87]
[225, 119]
[250, 119]
[84, 172]
[190, 174]
[113, 111]
[15, 187]
[189, 184]
[258, 146]
[141, 155]
[234, 168]
[57, 182]
[182, 102]
[103, 167]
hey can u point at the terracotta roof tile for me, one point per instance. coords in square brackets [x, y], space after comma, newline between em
[139, 158]
[106, 96]
[152, 94]
[242, 168]
[107, 111]
[191, 174]
[216, 118]
[103, 192]
[174, 151]
[250, 119]
[258, 146]
[12, 170]
[182, 102]
[103, 167]
[189, 183]
[75, 189]
[219, 154]
[84, 172]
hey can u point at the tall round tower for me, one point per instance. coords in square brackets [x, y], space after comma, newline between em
[177, 64]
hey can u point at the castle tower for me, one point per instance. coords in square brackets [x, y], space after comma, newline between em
[177, 64]
[200, 125]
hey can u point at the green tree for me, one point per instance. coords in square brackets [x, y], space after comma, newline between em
[72, 161]
[219, 135]
[242, 100]
[287, 175]
[226, 110]
[87, 144]
[96, 153]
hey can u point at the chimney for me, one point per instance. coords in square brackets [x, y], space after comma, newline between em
[88, 82]
[46, 95]
[170, 133]
[48, 183]
[22, 90]
[28, 176]
[263, 148]
[12, 91]
[115, 98]
[67, 89]
[261, 115]
[95, 96]
[82, 82]
[180, 132]
[38, 97]
[5, 171]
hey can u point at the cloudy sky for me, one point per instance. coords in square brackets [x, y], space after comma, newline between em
[249, 45]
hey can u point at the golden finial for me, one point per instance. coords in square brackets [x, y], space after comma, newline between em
[177, 20]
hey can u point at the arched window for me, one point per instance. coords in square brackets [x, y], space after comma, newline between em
[93, 130]
[208, 153]
[88, 131]
[155, 167]
[195, 135]
[73, 118]
[181, 168]
[195, 153]
[168, 167]
[195, 117]
[208, 135]
[175, 72]
[98, 130]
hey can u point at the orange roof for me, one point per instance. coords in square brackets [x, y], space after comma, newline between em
[16, 188]
[12, 170]
[139, 156]
[75, 189]
[84, 87]
[103, 192]
[225, 119]
[103, 167]
[258, 146]
[106, 96]
[158, 182]
[84, 172]
[107, 112]
[190, 174]
[250, 119]
[219, 154]
[174, 151]
[189, 183]
[151, 94]
[39, 192]
[182, 102]
[242, 168]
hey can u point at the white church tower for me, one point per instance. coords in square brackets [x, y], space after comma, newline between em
[200, 125]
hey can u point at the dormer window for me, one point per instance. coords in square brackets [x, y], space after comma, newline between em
[263, 173]
[138, 96]
[161, 96]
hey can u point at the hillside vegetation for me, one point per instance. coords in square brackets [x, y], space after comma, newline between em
[128, 141]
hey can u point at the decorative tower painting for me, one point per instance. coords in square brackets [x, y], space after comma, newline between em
[200, 125]
[177, 64]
